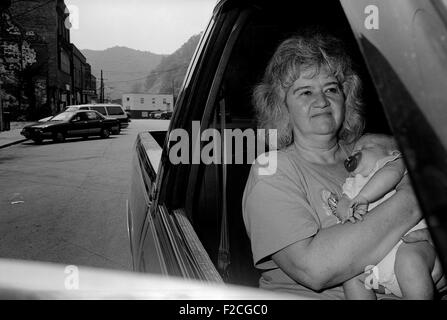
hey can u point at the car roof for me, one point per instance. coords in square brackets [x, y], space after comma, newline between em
[83, 111]
[95, 105]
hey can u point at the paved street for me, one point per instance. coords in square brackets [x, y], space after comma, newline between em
[66, 202]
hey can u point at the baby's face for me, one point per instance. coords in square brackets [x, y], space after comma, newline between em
[364, 157]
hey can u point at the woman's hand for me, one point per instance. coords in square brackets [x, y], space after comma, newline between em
[344, 211]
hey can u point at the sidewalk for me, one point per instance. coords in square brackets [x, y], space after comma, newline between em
[13, 136]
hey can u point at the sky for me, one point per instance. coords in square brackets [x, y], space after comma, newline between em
[159, 26]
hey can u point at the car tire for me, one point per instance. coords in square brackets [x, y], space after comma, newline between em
[105, 133]
[117, 131]
[59, 137]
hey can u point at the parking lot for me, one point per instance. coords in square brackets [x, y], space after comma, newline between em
[66, 202]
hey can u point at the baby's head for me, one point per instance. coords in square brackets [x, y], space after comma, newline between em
[367, 151]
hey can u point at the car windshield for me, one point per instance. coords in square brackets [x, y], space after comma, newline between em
[63, 116]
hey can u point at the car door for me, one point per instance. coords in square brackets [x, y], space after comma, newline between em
[94, 123]
[162, 241]
[407, 58]
[176, 228]
[78, 125]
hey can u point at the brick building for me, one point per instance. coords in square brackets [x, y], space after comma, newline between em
[45, 72]
[141, 105]
[83, 81]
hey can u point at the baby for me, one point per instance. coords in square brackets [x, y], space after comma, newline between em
[376, 167]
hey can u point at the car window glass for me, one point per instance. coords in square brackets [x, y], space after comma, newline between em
[115, 111]
[63, 116]
[91, 116]
[101, 110]
[83, 116]
[99, 116]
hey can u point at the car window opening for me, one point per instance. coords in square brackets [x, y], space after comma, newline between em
[216, 214]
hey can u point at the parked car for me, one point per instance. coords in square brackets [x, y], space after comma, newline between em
[114, 111]
[166, 115]
[156, 114]
[186, 219]
[79, 123]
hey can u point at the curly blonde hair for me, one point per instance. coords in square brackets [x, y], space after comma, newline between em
[298, 53]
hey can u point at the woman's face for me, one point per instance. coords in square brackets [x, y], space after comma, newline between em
[316, 104]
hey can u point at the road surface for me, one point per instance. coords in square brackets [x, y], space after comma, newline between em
[66, 202]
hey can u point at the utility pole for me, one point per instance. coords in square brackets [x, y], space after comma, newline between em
[1, 107]
[101, 94]
[173, 94]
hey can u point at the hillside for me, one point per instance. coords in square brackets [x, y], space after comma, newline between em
[121, 66]
[170, 72]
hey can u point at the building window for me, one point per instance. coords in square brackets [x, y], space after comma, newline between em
[65, 61]
[164, 100]
[141, 100]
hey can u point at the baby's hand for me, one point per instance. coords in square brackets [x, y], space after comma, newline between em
[360, 207]
[344, 210]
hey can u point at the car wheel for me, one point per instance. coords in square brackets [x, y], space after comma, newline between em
[117, 131]
[59, 137]
[105, 133]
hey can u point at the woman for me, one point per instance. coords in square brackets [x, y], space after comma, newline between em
[311, 95]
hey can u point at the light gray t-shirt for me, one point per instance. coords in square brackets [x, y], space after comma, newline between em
[287, 207]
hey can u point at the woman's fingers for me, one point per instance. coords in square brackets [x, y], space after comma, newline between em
[418, 235]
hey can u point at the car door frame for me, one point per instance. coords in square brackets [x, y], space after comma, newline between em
[195, 71]
[392, 60]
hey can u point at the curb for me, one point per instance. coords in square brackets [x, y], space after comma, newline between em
[13, 143]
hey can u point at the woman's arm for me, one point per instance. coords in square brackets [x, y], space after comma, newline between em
[341, 252]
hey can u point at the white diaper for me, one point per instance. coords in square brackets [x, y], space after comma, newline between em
[384, 274]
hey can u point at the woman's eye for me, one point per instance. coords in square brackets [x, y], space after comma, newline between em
[332, 90]
[306, 93]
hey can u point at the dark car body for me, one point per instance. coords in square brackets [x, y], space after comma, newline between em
[72, 124]
[186, 219]
[166, 115]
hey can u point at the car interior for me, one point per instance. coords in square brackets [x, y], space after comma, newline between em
[213, 200]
